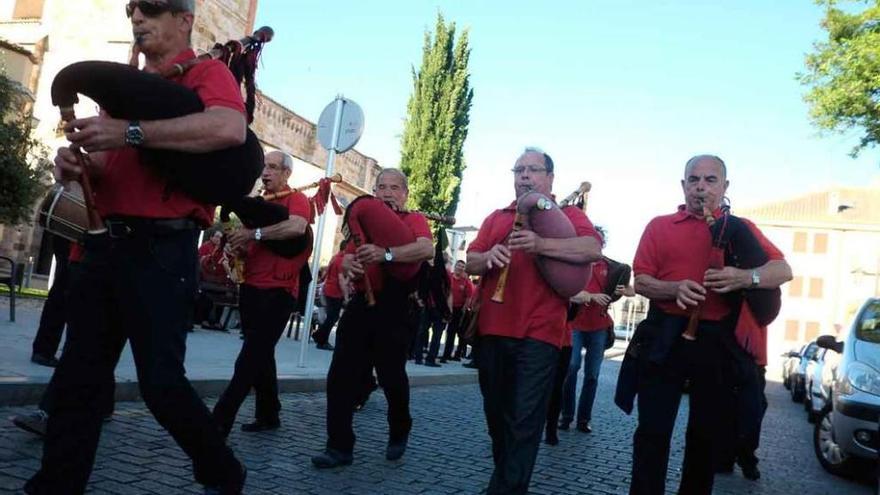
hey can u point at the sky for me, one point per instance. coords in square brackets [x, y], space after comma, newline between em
[619, 92]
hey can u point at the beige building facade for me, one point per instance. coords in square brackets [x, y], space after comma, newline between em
[55, 33]
[831, 238]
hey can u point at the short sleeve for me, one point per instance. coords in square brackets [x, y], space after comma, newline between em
[215, 85]
[583, 227]
[645, 262]
[481, 243]
[418, 225]
[299, 206]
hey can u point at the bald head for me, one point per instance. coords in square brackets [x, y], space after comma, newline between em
[694, 161]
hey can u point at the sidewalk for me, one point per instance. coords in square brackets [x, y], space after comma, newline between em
[210, 362]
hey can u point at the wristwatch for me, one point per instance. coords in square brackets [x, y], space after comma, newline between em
[756, 279]
[134, 134]
[388, 256]
[258, 234]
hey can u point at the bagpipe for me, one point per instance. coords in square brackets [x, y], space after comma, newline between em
[223, 177]
[734, 244]
[541, 215]
[369, 220]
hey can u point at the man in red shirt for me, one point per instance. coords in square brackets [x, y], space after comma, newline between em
[519, 340]
[462, 290]
[335, 286]
[138, 281]
[374, 335]
[266, 299]
[672, 270]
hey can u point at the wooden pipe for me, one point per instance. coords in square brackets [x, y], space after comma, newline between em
[498, 295]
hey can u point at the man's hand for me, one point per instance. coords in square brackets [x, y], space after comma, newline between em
[66, 166]
[351, 267]
[370, 253]
[97, 133]
[727, 279]
[525, 240]
[689, 293]
[239, 239]
[498, 256]
[624, 290]
[600, 299]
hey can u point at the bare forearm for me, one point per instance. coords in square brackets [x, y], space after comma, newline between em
[214, 129]
[573, 250]
[476, 263]
[773, 274]
[294, 226]
[656, 290]
[420, 250]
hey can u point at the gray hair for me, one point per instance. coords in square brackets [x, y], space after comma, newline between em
[394, 171]
[697, 159]
[286, 159]
[548, 162]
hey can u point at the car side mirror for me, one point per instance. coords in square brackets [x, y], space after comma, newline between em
[830, 343]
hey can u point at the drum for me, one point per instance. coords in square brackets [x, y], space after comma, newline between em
[63, 213]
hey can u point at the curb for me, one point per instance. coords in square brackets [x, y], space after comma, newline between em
[30, 393]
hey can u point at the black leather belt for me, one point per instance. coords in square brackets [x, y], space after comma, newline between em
[125, 227]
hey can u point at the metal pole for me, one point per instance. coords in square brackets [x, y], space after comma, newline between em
[319, 235]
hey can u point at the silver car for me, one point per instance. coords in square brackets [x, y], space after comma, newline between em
[846, 430]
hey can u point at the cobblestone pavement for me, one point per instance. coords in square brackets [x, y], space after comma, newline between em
[448, 454]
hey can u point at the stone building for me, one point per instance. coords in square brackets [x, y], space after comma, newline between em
[51, 34]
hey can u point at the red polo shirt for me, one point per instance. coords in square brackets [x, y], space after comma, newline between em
[593, 317]
[331, 283]
[462, 289]
[531, 308]
[267, 270]
[677, 247]
[126, 187]
[417, 224]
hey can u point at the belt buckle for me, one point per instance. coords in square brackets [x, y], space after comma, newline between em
[118, 230]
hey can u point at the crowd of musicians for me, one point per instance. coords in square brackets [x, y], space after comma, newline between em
[540, 308]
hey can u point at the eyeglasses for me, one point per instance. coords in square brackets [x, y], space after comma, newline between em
[530, 169]
[149, 8]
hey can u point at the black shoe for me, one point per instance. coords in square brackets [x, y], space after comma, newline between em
[457, 358]
[550, 437]
[326, 346]
[418, 361]
[431, 364]
[564, 425]
[395, 450]
[259, 425]
[229, 488]
[443, 360]
[724, 469]
[751, 473]
[34, 422]
[44, 360]
[584, 427]
[470, 364]
[331, 458]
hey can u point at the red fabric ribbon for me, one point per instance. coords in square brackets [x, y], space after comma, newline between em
[319, 200]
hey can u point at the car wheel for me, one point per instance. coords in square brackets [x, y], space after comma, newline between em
[812, 415]
[786, 382]
[832, 458]
[797, 391]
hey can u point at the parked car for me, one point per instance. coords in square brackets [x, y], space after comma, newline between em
[820, 380]
[798, 374]
[813, 377]
[846, 430]
[791, 359]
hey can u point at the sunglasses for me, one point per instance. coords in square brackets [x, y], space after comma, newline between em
[149, 8]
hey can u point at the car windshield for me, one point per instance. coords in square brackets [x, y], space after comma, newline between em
[868, 327]
[810, 353]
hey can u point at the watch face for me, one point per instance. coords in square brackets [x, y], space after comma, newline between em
[388, 255]
[134, 135]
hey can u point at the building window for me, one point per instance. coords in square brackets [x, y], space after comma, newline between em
[820, 243]
[800, 242]
[812, 331]
[792, 330]
[28, 9]
[796, 287]
[816, 288]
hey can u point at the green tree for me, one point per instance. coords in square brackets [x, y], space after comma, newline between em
[843, 72]
[437, 121]
[24, 169]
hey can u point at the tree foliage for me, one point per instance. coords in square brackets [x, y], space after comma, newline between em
[437, 121]
[843, 72]
[24, 169]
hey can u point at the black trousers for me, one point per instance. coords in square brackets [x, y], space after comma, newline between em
[516, 377]
[743, 413]
[377, 336]
[555, 406]
[140, 288]
[431, 320]
[264, 315]
[334, 306]
[54, 315]
[454, 329]
[705, 363]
